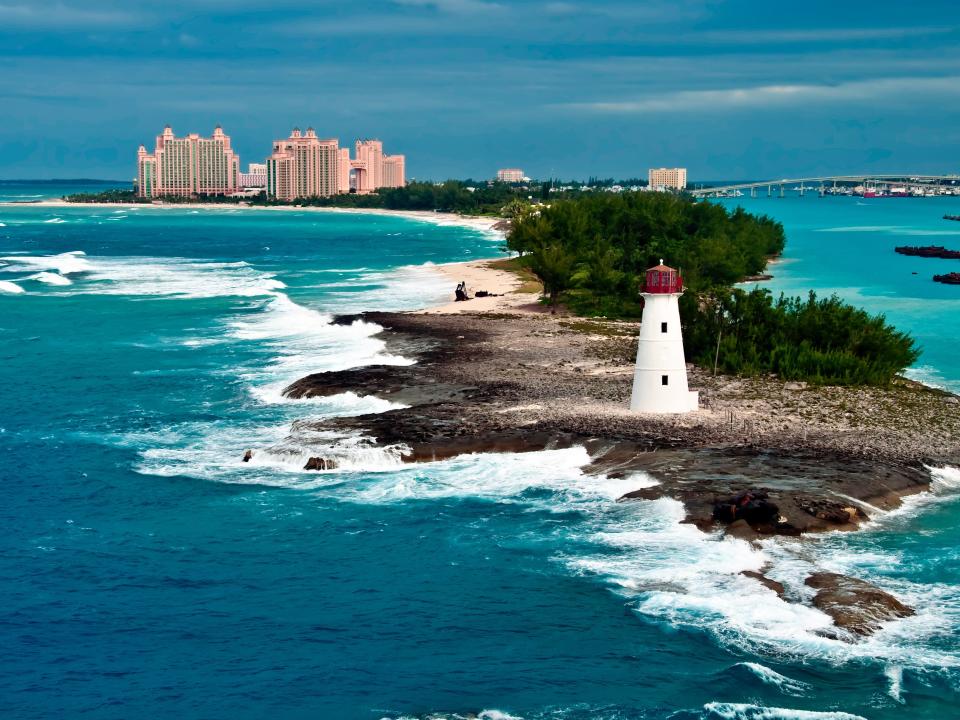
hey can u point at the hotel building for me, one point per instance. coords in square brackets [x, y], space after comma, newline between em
[303, 166]
[511, 175]
[186, 166]
[368, 165]
[254, 177]
[343, 170]
[393, 171]
[667, 178]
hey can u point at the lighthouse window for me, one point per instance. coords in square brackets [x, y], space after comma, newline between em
[663, 327]
[663, 379]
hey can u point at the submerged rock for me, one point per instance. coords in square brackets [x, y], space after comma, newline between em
[855, 605]
[764, 580]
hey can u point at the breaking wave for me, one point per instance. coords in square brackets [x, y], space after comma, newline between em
[745, 711]
[65, 263]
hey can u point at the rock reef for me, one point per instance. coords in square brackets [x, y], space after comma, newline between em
[825, 457]
[800, 458]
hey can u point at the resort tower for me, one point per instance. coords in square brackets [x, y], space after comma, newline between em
[660, 375]
[188, 166]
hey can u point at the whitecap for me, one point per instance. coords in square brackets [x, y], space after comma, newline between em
[745, 711]
[8, 287]
[51, 278]
[894, 675]
[63, 263]
[786, 685]
[410, 287]
[55, 220]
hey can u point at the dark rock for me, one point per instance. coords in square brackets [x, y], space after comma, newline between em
[753, 506]
[830, 510]
[319, 463]
[248, 456]
[855, 605]
[741, 529]
[764, 580]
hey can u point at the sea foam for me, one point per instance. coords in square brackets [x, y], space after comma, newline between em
[744, 711]
[64, 263]
[51, 278]
[8, 287]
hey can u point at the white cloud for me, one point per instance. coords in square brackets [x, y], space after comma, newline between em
[765, 96]
[59, 15]
[811, 35]
[459, 7]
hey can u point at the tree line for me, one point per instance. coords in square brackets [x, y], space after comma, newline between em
[591, 254]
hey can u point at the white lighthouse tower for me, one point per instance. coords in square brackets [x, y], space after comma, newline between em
[660, 376]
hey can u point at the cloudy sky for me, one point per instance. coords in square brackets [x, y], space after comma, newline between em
[727, 88]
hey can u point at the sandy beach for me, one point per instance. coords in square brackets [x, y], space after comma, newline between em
[483, 224]
[509, 293]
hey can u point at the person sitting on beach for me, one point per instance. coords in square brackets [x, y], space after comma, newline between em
[462, 292]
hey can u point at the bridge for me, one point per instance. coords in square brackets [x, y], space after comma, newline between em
[906, 184]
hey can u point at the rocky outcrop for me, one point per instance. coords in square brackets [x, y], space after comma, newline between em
[319, 463]
[509, 383]
[830, 510]
[765, 581]
[928, 251]
[856, 606]
[751, 506]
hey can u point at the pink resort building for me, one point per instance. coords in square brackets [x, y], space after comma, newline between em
[343, 170]
[393, 171]
[667, 178]
[303, 166]
[254, 177]
[511, 175]
[186, 166]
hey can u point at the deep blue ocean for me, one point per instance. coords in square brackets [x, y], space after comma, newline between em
[146, 571]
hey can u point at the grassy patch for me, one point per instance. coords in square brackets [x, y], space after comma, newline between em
[529, 283]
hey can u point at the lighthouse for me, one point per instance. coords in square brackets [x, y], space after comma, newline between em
[660, 375]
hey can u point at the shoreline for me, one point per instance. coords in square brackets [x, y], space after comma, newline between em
[475, 222]
[510, 382]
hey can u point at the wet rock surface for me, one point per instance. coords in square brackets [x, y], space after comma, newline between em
[856, 606]
[821, 457]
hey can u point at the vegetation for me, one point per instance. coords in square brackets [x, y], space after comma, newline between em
[107, 196]
[593, 251]
[467, 197]
[591, 254]
[589, 249]
[823, 341]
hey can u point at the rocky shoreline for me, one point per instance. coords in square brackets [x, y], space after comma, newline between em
[802, 459]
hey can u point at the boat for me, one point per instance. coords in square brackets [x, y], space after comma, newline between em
[951, 217]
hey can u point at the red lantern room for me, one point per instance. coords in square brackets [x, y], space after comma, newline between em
[663, 280]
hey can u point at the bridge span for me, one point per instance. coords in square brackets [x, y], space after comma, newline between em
[902, 185]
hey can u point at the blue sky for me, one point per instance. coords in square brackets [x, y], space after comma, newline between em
[569, 88]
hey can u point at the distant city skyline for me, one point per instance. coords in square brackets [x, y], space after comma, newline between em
[565, 89]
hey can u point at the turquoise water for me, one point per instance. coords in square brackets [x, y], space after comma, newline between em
[845, 245]
[31, 191]
[146, 571]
